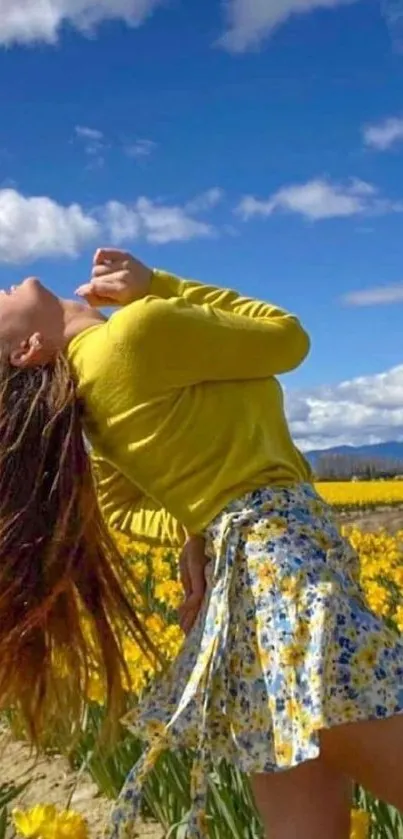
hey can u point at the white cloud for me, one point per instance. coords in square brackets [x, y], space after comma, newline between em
[320, 199]
[164, 224]
[250, 21]
[378, 296]
[157, 223]
[384, 134]
[122, 222]
[368, 409]
[35, 227]
[31, 21]
[140, 149]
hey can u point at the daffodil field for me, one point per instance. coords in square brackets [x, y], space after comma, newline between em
[362, 494]
[167, 793]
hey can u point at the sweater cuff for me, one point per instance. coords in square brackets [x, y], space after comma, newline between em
[165, 285]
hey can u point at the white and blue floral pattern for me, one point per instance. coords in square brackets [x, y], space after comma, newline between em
[285, 646]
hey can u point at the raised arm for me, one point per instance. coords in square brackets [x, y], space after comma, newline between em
[166, 286]
[194, 333]
[177, 343]
[127, 510]
[118, 279]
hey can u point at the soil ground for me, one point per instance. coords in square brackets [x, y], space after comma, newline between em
[51, 779]
[53, 782]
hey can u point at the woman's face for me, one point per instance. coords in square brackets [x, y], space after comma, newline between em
[30, 313]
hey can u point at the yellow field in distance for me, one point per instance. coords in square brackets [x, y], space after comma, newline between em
[362, 493]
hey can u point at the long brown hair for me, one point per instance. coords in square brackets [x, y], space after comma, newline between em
[62, 591]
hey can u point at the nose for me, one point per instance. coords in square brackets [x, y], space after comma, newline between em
[31, 281]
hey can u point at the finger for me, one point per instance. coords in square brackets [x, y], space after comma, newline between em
[84, 289]
[100, 288]
[190, 604]
[187, 619]
[189, 623]
[93, 298]
[184, 574]
[90, 293]
[109, 270]
[189, 609]
[196, 569]
[109, 255]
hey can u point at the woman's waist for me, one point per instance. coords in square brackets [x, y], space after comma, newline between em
[294, 500]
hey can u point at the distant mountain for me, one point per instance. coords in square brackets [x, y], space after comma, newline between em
[385, 451]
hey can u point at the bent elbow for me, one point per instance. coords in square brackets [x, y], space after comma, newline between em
[297, 345]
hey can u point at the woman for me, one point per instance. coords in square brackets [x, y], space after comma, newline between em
[285, 671]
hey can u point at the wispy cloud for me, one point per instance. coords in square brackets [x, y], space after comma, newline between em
[249, 22]
[92, 134]
[383, 135]
[368, 409]
[140, 149]
[393, 13]
[94, 144]
[378, 296]
[320, 199]
[206, 200]
[32, 227]
[32, 21]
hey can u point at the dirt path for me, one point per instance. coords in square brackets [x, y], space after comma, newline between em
[53, 782]
[386, 518]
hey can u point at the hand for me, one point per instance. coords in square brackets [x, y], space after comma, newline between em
[192, 565]
[116, 280]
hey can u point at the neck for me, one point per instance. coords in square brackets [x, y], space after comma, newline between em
[78, 317]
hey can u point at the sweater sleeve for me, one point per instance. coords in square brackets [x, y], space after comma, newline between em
[126, 509]
[167, 286]
[205, 335]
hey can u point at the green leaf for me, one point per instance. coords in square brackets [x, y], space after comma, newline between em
[3, 822]
[8, 792]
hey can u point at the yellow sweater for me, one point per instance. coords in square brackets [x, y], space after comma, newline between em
[183, 406]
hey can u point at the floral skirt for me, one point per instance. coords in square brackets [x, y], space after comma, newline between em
[285, 645]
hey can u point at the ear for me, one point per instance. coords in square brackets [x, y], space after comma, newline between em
[30, 353]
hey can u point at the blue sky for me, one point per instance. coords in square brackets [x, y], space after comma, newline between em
[246, 143]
